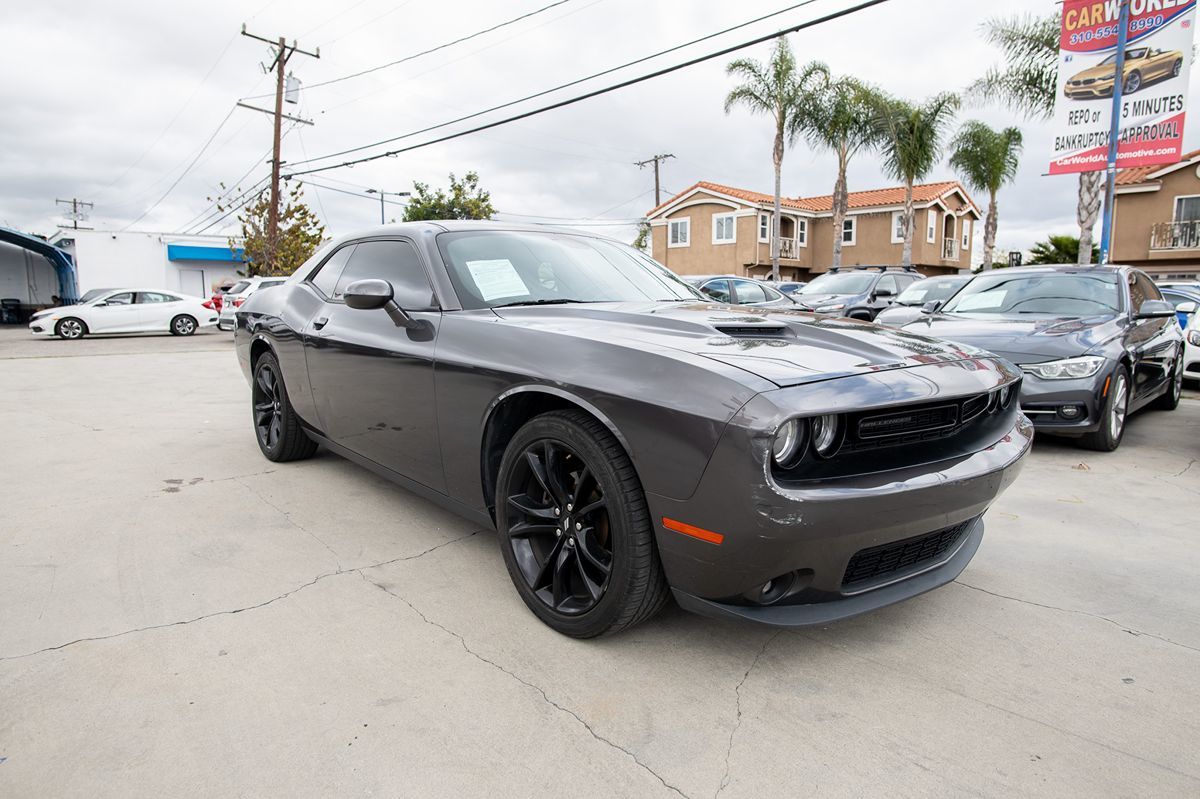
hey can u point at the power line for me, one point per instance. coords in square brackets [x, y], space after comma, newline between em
[233, 205]
[581, 80]
[595, 93]
[415, 56]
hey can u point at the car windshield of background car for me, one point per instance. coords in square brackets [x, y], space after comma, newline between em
[842, 283]
[1049, 294]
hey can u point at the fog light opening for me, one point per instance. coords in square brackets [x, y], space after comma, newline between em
[1070, 412]
[772, 590]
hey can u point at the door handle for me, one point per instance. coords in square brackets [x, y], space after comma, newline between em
[320, 323]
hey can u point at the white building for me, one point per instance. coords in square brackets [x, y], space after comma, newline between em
[191, 265]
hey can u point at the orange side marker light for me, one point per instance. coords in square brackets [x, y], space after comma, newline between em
[693, 531]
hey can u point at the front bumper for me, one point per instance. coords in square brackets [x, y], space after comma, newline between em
[809, 536]
[1065, 407]
[42, 327]
[1090, 91]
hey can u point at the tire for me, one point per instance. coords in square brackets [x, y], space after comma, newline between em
[556, 559]
[183, 325]
[277, 428]
[1113, 415]
[1132, 83]
[70, 328]
[1169, 400]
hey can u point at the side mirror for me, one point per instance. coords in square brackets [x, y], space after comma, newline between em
[884, 293]
[1186, 307]
[1156, 309]
[372, 294]
[931, 307]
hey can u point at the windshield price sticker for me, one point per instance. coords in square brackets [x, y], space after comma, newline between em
[1158, 61]
[497, 278]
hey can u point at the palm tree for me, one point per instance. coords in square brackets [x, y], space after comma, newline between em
[781, 90]
[1028, 84]
[842, 119]
[986, 159]
[910, 141]
[1057, 250]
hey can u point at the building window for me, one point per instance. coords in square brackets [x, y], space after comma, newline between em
[724, 229]
[931, 226]
[764, 228]
[897, 227]
[802, 232]
[1187, 209]
[679, 232]
[966, 241]
[849, 231]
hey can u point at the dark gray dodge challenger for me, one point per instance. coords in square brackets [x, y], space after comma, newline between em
[627, 437]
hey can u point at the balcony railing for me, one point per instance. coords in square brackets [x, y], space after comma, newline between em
[1175, 236]
[950, 250]
[789, 248]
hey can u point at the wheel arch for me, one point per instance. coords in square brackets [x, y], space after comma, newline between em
[512, 409]
[258, 347]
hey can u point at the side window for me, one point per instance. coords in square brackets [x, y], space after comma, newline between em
[749, 293]
[888, 283]
[398, 263]
[153, 296]
[1141, 288]
[718, 290]
[120, 299]
[327, 275]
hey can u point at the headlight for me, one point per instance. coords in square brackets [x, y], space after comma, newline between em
[789, 442]
[1194, 337]
[827, 434]
[825, 308]
[1068, 369]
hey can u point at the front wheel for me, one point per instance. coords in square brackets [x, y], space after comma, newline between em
[276, 426]
[1175, 70]
[1133, 82]
[70, 328]
[1112, 415]
[183, 325]
[575, 532]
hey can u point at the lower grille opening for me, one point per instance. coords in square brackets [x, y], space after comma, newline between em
[875, 563]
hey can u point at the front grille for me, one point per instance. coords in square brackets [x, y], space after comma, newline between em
[874, 563]
[908, 421]
[915, 423]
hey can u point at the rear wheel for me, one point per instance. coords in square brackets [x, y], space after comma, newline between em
[1133, 82]
[1112, 415]
[1169, 400]
[183, 325]
[575, 532]
[70, 328]
[276, 426]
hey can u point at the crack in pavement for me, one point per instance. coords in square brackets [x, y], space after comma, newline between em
[1114, 622]
[1187, 468]
[545, 697]
[738, 721]
[288, 518]
[234, 611]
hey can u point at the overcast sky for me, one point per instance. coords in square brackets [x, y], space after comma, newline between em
[110, 102]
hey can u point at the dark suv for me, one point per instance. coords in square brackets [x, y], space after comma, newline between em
[859, 293]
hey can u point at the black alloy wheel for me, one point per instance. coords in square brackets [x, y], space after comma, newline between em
[574, 528]
[276, 426]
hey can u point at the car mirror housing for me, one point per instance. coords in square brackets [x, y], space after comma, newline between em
[1155, 309]
[884, 293]
[1186, 307]
[931, 307]
[372, 294]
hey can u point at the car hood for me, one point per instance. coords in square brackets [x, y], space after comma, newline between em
[1025, 339]
[899, 315]
[61, 309]
[1096, 73]
[785, 347]
[815, 300]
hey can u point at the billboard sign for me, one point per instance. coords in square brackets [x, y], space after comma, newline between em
[1158, 60]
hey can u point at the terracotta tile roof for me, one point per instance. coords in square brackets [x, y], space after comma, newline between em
[1138, 174]
[922, 193]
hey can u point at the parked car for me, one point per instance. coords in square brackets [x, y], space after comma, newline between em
[1143, 65]
[1191, 345]
[217, 300]
[628, 439]
[1180, 296]
[740, 290]
[125, 311]
[924, 296]
[788, 287]
[240, 292]
[859, 293]
[1096, 343]
[1189, 285]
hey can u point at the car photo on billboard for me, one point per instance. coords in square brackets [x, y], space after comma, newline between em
[1143, 66]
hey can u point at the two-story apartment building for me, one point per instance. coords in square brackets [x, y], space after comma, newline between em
[1156, 219]
[714, 229]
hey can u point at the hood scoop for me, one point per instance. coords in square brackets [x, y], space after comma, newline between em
[756, 331]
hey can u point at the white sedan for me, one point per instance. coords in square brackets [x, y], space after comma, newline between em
[125, 311]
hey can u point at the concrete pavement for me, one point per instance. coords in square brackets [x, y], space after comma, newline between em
[179, 617]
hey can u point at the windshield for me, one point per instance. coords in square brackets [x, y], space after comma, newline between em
[930, 289]
[839, 283]
[1138, 53]
[239, 287]
[1039, 293]
[490, 269]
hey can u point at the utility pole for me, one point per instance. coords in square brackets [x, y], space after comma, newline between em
[75, 215]
[283, 53]
[656, 160]
[382, 194]
[1114, 134]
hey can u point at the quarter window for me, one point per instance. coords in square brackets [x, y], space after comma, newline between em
[328, 273]
[849, 230]
[749, 293]
[679, 232]
[398, 263]
[724, 228]
[154, 296]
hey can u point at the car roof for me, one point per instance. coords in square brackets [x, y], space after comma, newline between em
[1110, 269]
[415, 229]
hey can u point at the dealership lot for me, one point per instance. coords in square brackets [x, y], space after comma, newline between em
[178, 615]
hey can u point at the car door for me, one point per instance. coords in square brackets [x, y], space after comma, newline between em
[116, 313]
[1151, 341]
[157, 310]
[371, 381]
[718, 290]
